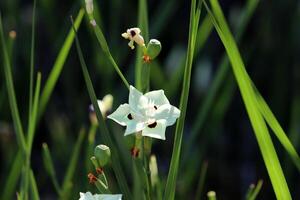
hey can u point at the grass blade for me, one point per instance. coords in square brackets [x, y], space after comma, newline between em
[260, 129]
[173, 170]
[67, 183]
[33, 187]
[34, 114]
[254, 192]
[204, 31]
[58, 65]
[201, 180]
[32, 61]
[13, 177]
[221, 74]
[11, 92]
[102, 126]
[103, 43]
[278, 130]
[48, 163]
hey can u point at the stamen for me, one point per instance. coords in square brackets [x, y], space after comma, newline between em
[155, 107]
[92, 178]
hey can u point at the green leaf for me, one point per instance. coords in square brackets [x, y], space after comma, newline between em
[102, 41]
[67, 183]
[221, 74]
[249, 97]
[102, 126]
[31, 79]
[173, 171]
[11, 92]
[33, 187]
[13, 177]
[254, 190]
[278, 130]
[34, 114]
[58, 65]
[48, 163]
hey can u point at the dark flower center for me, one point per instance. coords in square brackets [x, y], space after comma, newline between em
[129, 116]
[153, 125]
[132, 33]
[155, 107]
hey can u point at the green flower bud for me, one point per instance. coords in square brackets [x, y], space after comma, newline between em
[153, 48]
[95, 162]
[102, 153]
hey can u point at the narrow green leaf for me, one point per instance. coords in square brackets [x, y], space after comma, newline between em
[49, 166]
[67, 183]
[34, 114]
[221, 73]
[249, 97]
[32, 61]
[13, 177]
[204, 31]
[33, 187]
[102, 41]
[30, 136]
[173, 170]
[255, 191]
[58, 65]
[202, 178]
[102, 126]
[11, 92]
[278, 130]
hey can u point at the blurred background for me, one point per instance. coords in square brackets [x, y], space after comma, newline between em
[217, 130]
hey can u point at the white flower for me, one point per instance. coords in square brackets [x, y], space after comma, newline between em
[89, 6]
[150, 113]
[134, 35]
[90, 196]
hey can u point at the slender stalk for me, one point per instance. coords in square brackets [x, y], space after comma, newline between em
[173, 170]
[58, 65]
[201, 180]
[31, 78]
[249, 97]
[102, 41]
[11, 92]
[102, 126]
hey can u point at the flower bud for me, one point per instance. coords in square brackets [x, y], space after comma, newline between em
[95, 162]
[102, 153]
[153, 48]
[89, 6]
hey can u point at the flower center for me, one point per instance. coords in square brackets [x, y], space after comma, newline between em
[132, 33]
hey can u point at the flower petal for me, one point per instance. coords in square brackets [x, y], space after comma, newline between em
[90, 196]
[137, 100]
[158, 96]
[167, 112]
[108, 197]
[134, 127]
[158, 131]
[139, 40]
[121, 114]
